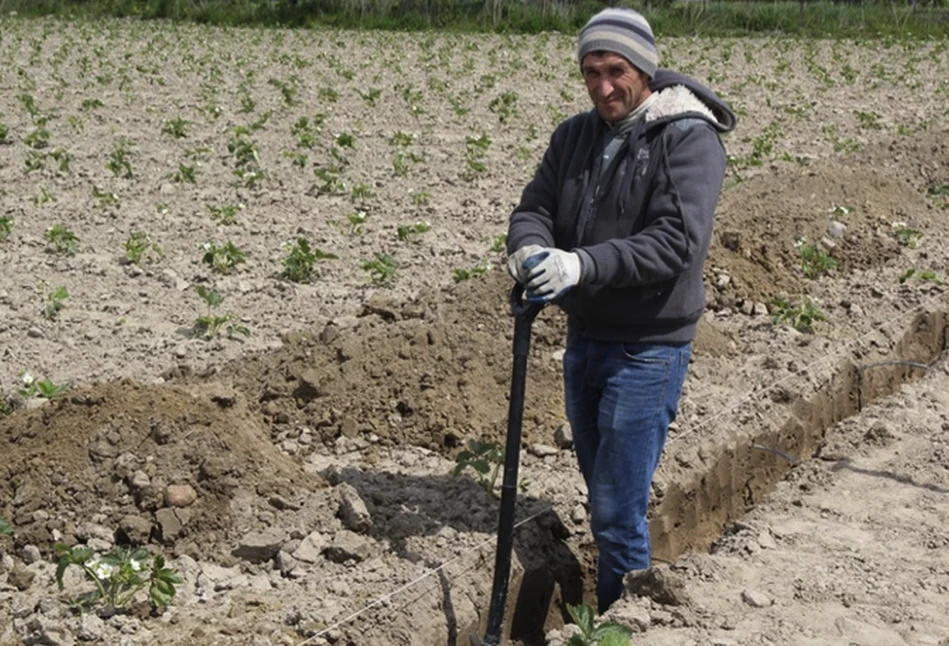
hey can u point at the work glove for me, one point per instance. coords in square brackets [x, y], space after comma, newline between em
[515, 262]
[550, 273]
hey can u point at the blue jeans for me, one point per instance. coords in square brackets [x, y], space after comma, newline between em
[620, 400]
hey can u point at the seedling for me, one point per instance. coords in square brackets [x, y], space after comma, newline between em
[185, 174]
[925, 276]
[381, 269]
[485, 459]
[37, 138]
[331, 182]
[801, 317]
[176, 127]
[223, 259]
[459, 275]
[814, 261]
[361, 191]
[211, 324]
[226, 214]
[53, 302]
[840, 210]
[299, 262]
[356, 221]
[420, 198]
[64, 158]
[119, 162]
[906, 235]
[6, 227]
[503, 106]
[105, 199]
[5, 527]
[4, 132]
[402, 139]
[499, 244]
[42, 388]
[140, 247]
[409, 232]
[400, 165]
[44, 197]
[118, 576]
[345, 140]
[61, 240]
[608, 633]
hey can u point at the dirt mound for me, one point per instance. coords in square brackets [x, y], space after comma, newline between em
[847, 210]
[428, 372]
[107, 454]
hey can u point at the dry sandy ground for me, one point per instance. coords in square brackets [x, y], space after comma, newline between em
[320, 447]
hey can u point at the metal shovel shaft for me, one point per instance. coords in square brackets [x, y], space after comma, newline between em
[523, 319]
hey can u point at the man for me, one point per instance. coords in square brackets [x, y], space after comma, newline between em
[615, 227]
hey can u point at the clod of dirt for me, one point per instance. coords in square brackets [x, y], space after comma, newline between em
[658, 583]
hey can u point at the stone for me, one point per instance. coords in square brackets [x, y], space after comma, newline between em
[756, 599]
[579, 514]
[760, 309]
[632, 615]
[86, 531]
[50, 632]
[346, 546]
[138, 481]
[21, 578]
[171, 521]
[766, 540]
[563, 436]
[180, 495]
[91, 628]
[137, 529]
[541, 450]
[836, 230]
[30, 554]
[658, 583]
[258, 547]
[352, 509]
[310, 549]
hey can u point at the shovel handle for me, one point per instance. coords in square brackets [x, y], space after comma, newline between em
[520, 307]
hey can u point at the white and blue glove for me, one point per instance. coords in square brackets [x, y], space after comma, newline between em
[550, 273]
[515, 262]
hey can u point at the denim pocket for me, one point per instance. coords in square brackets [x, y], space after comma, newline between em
[648, 353]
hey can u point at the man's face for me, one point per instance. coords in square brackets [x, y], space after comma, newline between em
[616, 86]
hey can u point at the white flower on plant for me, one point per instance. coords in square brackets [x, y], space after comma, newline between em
[28, 379]
[103, 571]
[898, 225]
[800, 242]
[206, 246]
[137, 566]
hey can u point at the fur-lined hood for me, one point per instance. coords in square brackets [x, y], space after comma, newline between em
[678, 96]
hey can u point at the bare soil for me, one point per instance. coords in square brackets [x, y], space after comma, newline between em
[802, 471]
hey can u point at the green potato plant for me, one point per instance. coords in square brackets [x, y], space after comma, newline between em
[381, 269]
[42, 388]
[801, 317]
[54, 302]
[608, 633]
[118, 576]
[298, 265]
[223, 259]
[61, 240]
[139, 247]
[6, 227]
[485, 459]
[212, 324]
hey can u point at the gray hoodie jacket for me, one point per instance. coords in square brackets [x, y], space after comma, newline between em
[644, 236]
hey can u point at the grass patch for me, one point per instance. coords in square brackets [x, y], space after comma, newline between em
[810, 18]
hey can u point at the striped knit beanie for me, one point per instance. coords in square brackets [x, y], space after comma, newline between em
[624, 32]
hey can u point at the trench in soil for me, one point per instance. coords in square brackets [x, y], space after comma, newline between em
[698, 504]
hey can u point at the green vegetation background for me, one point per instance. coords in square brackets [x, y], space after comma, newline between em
[869, 19]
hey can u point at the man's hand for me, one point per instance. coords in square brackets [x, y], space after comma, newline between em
[515, 262]
[550, 273]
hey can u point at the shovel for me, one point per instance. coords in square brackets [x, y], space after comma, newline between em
[524, 315]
